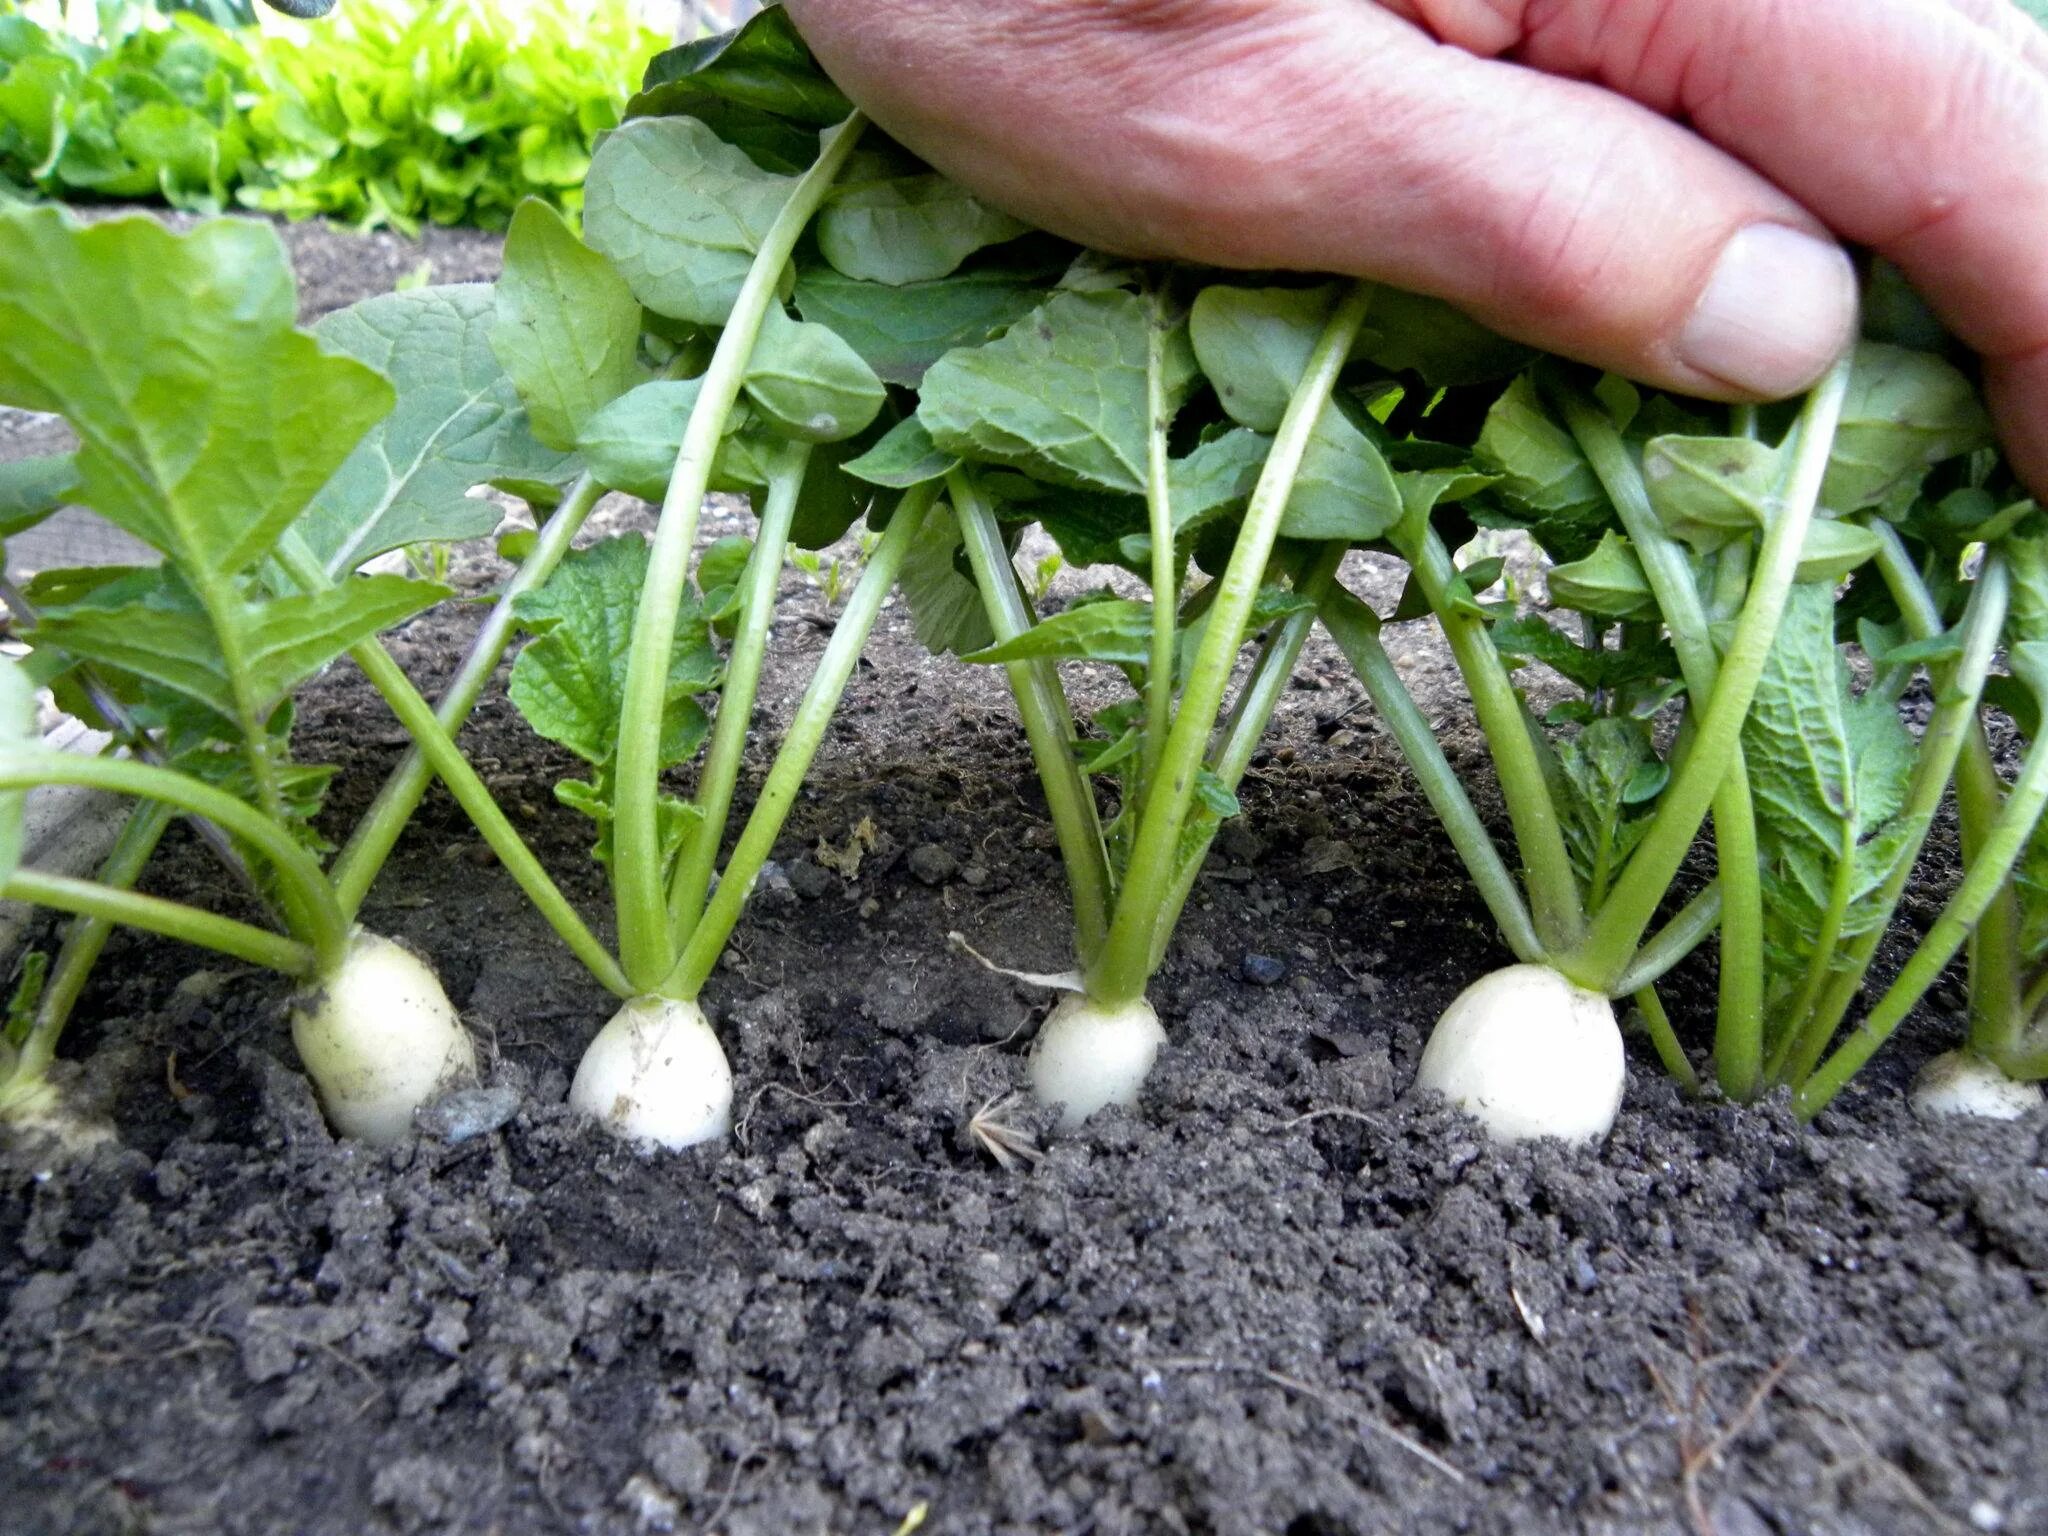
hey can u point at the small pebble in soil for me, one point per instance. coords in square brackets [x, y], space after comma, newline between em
[976, 875]
[933, 864]
[1263, 970]
[811, 881]
[773, 891]
[469, 1112]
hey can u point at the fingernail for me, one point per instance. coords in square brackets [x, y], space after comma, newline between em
[1777, 310]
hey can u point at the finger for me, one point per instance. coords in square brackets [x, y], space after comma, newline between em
[1918, 127]
[2011, 26]
[1326, 135]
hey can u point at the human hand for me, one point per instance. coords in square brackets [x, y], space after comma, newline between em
[1654, 186]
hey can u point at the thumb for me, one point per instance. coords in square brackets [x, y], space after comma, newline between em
[1325, 135]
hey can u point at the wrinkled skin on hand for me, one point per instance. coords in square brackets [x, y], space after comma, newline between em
[1655, 186]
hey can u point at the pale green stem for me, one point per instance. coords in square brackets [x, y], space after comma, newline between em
[1510, 740]
[1241, 735]
[309, 900]
[1739, 1025]
[644, 947]
[464, 783]
[1657, 1025]
[1356, 630]
[172, 919]
[1618, 927]
[1048, 721]
[1159, 513]
[799, 747]
[1957, 694]
[691, 883]
[1125, 965]
[1673, 942]
[85, 938]
[357, 866]
[1981, 883]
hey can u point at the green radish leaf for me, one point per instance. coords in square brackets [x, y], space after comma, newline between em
[1833, 549]
[1544, 483]
[1534, 640]
[1253, 346]
[569, 683]
[31, 489]
[1610, 772]
[1829, 770]
[1217, 477]
[1343, 489]
[946, 610]
[1711, 491]
[901, 331]
[457, 424]
[153, 627]
[1061, 396]
[1905, 413]
[809, 383]
[764, 66]
[631, 444]
[906, 456]
[680, 213]
[1609, 583]
[1412, 333]
[724, 563]
[1213, 795]
[909, 229]
[206, 421]
[566, 328]
[1113, 630]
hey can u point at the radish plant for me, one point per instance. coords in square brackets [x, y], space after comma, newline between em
[1696, 564]
[217, 433]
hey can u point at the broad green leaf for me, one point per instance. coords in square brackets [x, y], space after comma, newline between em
[206, 420]
[901, 332]
[1710, 491]
[910, 229]
[906, 456]
[1217, 477]
[153, 627]
[1833, 549]
[1114, 630]
[1253, 345]
[680, 213]
[631, 444]
[1410, 332]
[764, 65]
[1061, 396]
[1343, 489]
[1829, 771]
[808, 382]
[1905, 413]
[569, 683]
[1531, 637]
[2026, 555]
[1545, 483]
[946, 610]
[31, 489]
[1609, 770]
[1609, 583]
[457, 424]
[566, 329]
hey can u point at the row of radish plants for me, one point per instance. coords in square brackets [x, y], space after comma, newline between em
[769, 297]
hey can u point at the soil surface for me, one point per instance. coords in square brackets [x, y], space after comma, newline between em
[1282, 1296]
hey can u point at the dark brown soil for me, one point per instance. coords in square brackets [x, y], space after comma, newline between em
[1280, 1297]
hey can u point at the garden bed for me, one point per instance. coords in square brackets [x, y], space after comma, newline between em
[1278, 1297]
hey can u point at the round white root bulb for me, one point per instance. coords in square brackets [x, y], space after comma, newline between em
[656, 1073]
[1964, 1083]
[1088, 1055]
[379, 1038]
[1527, 1054]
